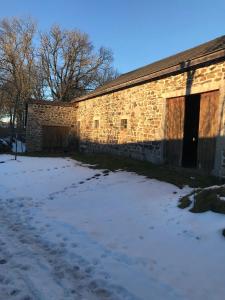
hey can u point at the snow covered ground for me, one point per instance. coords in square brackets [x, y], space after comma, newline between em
[71, 232]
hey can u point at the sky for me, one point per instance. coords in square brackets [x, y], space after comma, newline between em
[137, 31]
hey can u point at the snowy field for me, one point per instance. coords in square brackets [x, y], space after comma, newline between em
[71, 232]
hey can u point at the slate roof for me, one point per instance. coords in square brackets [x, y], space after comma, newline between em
[153, 70]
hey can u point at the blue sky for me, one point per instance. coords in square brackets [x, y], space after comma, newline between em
[138, 31]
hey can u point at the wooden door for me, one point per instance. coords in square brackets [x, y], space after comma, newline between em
[174, 130]
[54, 138]
[208, 129]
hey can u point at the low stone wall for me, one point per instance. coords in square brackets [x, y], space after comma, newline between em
[149, 151]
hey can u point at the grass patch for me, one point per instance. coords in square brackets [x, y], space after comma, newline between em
[184, 202]
[209, 199]
[177, 176]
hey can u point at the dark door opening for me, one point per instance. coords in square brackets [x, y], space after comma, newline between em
[191, 125]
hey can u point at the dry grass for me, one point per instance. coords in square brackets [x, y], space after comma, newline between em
[209, 199]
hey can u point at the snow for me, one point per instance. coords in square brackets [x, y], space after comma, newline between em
[18, 147]
[3, 142]
[71, 232]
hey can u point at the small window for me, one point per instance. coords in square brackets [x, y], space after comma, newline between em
[96, 124]
[123, 124]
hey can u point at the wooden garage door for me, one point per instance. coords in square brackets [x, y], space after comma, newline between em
[208, 129]
[54, 137]
[174, 130]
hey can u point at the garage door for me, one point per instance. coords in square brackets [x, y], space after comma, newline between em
[55, 138]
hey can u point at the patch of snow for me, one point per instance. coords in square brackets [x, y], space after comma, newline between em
[3, 142]
[70, 232]
[18, 147]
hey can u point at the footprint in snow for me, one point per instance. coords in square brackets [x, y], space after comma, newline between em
[23, 241]
[3, 261]
[104, 255]
[103, 293]
[106, 275]
[24, 267]
[95, 261]
[89, 270]
[14, 292]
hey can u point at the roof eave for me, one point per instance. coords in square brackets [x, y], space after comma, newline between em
[181, 67]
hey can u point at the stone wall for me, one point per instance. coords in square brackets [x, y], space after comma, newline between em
[143, 106]
[46, 115]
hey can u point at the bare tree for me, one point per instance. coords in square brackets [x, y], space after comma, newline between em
[63, 66]
[71, 67]
[17, 62]
[7, 103]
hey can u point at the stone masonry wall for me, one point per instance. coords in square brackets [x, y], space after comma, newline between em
[144, 108]
[48, 115]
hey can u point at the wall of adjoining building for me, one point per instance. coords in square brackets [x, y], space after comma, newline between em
[40, 115]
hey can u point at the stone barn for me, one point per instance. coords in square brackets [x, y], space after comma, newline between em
[171, 111]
